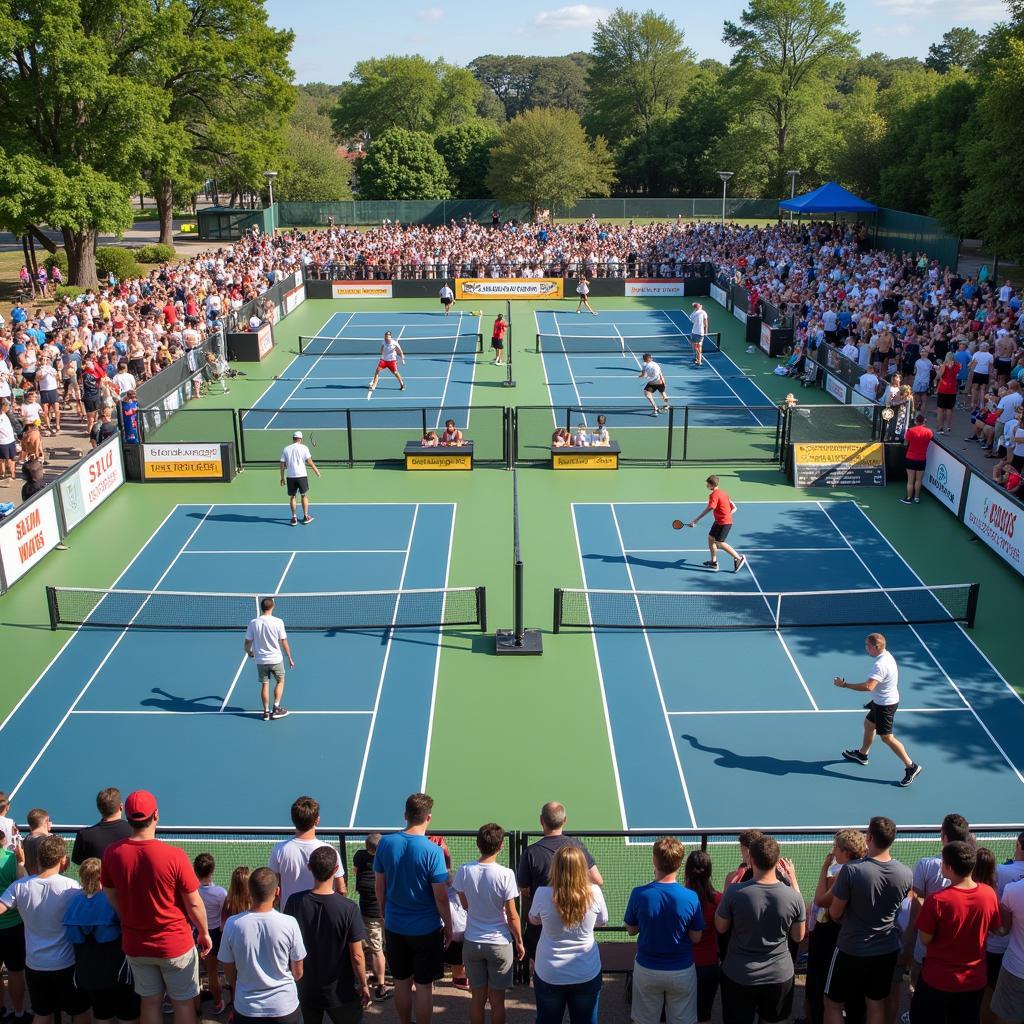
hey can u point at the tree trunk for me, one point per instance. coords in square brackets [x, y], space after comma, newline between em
[28, 263]
[81, 249]
[164, 195]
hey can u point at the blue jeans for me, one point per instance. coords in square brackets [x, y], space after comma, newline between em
[580, 999]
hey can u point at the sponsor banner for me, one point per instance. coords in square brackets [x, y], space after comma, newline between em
[29, 534]
[293, 299]
[509, 288]
[590, 460]
[740, 314]
[265, 340]
[182, 462]
[653, 287]
[996, 519]
[766, 338]
[836, 388]
[432, 459]
[839, 465]
[84, 489]
[867, 407]
[945, 476]
[719, 295]
[360, 289]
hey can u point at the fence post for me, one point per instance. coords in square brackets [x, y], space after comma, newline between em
[686, 431]
[671, 423]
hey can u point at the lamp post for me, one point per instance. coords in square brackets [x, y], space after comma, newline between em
[725, 176]
[793, 175]
[270, 176]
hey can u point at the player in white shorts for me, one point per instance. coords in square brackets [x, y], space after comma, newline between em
[390, 353]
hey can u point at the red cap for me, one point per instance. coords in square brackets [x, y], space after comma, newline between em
[140, 805]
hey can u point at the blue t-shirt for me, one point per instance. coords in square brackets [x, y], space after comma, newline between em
[963, 360]
[411, 864]
[664, 913]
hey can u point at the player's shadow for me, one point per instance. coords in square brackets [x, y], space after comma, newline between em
[764, 764]
[165, 701]
[649, 563]
[238, 517]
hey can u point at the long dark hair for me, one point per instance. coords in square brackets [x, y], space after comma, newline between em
[698, 876]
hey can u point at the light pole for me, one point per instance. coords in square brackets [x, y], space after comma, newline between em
[725, 176]
[270, 176]
[793, 175]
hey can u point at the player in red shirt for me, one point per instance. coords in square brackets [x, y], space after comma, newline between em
[721, 506]
[916, 439]
[498, 338]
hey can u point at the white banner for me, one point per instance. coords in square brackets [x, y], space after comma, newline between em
[945, 476]
[999, 522]
[719, 295]
[766, 338]
[653, 287]
[361, 289]
[86, 488]
[509, 288]
[294, 299]
[182, 461]
[739, 314]
[836, 388]
[26, 536]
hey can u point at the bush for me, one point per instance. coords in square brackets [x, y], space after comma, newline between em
[155, 253]
[114, 260]
[68, 291]
[58, 259]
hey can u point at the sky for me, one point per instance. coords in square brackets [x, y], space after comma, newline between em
[331, 35]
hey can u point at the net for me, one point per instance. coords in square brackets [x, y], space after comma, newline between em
[628, 609]
[440, 345]
[627, 345]
[169, 609]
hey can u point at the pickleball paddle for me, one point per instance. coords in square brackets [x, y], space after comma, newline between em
[678, 524]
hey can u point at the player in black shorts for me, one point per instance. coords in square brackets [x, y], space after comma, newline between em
[654, 383]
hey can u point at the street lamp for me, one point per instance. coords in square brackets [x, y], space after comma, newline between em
[793, 175]
[270, 176]
[725, 176]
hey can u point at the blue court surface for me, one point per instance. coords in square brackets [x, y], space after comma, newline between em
[720, 729]
[718, 394]
[178, 712]
[440, 363]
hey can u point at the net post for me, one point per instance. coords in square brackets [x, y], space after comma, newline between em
[241, 432]
[778, 612]
[348, 432]
[668, 448]
[481, 607]
[556, 620]
[423, 420]
[509, 379]
[51, 605]
[518, 639]
[972, 603]
[537, 340]
[686, 430]
[517, 623]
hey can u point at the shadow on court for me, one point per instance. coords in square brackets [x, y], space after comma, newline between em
[165, 701]
[283, 519]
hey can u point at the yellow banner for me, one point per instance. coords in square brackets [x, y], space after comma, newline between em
[184, 470]
[508, 288]
[573, 460]
[433, 460]
[866, 455]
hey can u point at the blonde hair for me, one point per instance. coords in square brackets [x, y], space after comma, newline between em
[89, 875]
[570, 885]
[238, 900]
[852, 842]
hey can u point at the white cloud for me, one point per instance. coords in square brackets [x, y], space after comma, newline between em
[900, 29]
[430, 14]
[577, 16]
[957, 10]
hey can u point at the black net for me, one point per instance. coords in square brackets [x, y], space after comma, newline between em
[627, 609]
[443, 345]
[165, 609]
[664, 344]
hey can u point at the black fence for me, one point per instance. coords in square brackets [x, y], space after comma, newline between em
[569, 269]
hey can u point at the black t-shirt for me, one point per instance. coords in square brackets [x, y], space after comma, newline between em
[92, 841]
[328, 924]
[535, 862]
[362, 864]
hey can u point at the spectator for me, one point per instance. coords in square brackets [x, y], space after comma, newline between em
[213, 897]
[333, 978]
[262, 953]
[12, 930]
[567, 972]
[1008, 998]
[290, 858]
[453, 952]
[8, 442]
[705, 952]
[670, 923]
[39, 828]
[7, 824]
[369, 907]
[104, 428]
[488, 892]
[744, 872]
[92, 841]
[237, 900]
[1002, 876]
[155, 892]
[917, 441]
[946, 392]
[411, 883]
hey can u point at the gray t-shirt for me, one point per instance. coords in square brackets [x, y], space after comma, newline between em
[761, 917]
[874, 891]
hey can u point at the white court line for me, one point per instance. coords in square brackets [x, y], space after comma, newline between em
[106, 658]
[669, 551]
[927, 649]
[544, 368]
[383, 671]
[825, 711]
[572, 376]
[189, 714]
[362, 376]
[289, 551]
[654, 670]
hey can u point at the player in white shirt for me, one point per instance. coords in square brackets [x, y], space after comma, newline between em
[390, 353]
[294, 460]
[883, 685]
[447, 298]
[266, 642]
[699, 325]
[654, 382]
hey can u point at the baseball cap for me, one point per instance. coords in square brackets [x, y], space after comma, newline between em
[297, 434]
[140, 805]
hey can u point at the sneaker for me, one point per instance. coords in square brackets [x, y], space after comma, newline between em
[713, 566]
[905, 501]
[856, 756]
[971, 438]
[295, 521]
[910, 774]
[279, 712]
[654, 413]
[381, 992]
[401, 387]
[266, 716]
[307, 520]
[738, 563]
[917, 501]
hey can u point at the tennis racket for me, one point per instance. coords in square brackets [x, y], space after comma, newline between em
[678, 524]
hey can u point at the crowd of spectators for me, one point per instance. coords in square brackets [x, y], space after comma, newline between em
[284, 942]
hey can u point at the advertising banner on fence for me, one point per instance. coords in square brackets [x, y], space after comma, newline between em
[654, 287]
[766, 338]
[508, 288]
[84, 489]
[838, 465]
[293, 299]
[997, 520]
[836, 388]
[360, 289]
[945, 477]
[182, 462]
[28, 535]
[740, 314]
[719, 295]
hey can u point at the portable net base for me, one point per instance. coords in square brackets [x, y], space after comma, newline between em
[680, 610]
[446, 345]
[168, 609]
[625, 345]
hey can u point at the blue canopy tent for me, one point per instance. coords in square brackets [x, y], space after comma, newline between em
[830, 198]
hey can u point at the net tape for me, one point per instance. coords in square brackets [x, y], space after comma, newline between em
[624, 344]
[441, 345]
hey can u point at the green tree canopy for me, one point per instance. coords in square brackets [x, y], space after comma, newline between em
[959, 49]
[311, 169]
[519, 83]
[466, 151]
[401, 164]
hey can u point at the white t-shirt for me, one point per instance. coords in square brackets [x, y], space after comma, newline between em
[262, 948]
[1013, 900]
[389, 351]
[651, 372]
[30, 412]
[290, 859]
[1008, 405]
[983, 361]
[46, 378]
[850, 351]
[6, 437]
[265, 633]
[487, 888]
[1006, 874]
[830, 319]
[294, 458]
[213, 897]
[41, 902]
[1018, 440]
[446, 293]
[922, 372]
[125, 382]
[567, 956]
[699, 321]
[888, 676]
[868, 385]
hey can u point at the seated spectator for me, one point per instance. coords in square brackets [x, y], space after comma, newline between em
[560, 438]
[705, 951]
[429, 439]
[451, 436]
[581, 439]
[213, 897]
[599, 436]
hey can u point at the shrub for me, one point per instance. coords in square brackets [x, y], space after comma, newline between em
[59, 259]
[155, 253]
[68, 291]
[114, 260]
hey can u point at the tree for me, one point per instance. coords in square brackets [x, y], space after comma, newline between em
[509, 78]
[959, 49]
[786, 51]
[466, 151]
[545, 159]
[400, 164]
[312, 169]
[519, 83]
[457, 97]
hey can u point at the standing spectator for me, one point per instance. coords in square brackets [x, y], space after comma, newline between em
[369, 907]
[866, 899]
[93, 929]
[923, 368]
[262, 953]
[41, 899]
[8, 442]
[92, 841]
[1008, 998]
[567, 971]
[213, 897]
[979, 370]
[334, 972]
[705, 953]
[953, 925]
[535, 864]
[12, 930]
[266, 642]
[488, 892]
[7, 824]
[453, 952]
[917, 439]
[155, 892]
[1005, 875]
[290, 858]
[498, 332]
[946, 392]
[670, 923]
[237, 900]
[763, 916]
[104, 428]
[39, 829]
[412, 890]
